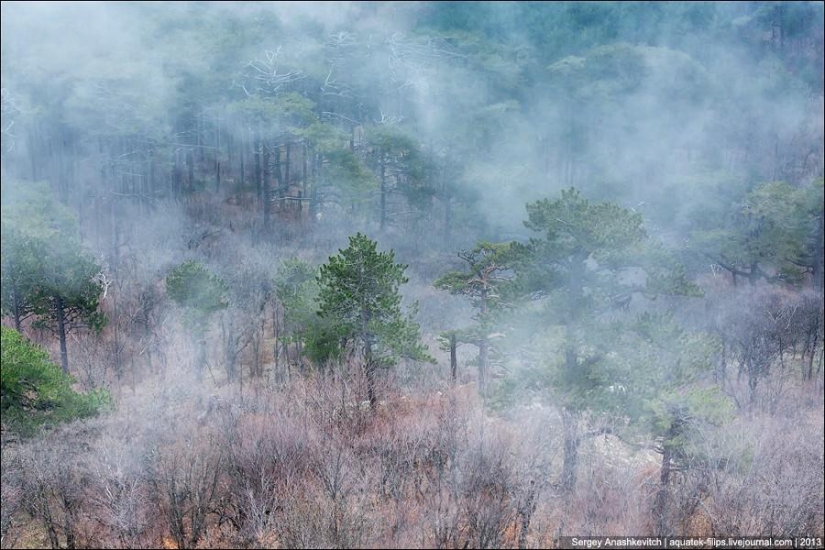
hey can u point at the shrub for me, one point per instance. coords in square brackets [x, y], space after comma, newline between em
[35, 392]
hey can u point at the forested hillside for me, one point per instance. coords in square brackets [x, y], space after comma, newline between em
[411, 274]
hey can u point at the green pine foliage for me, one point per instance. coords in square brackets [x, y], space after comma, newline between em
[488, 281]
[297, 291]
[46, 272]
[69, 280]
[200, 292]
[359, 294]
[21, 258]
[771, 233]
[35, 392]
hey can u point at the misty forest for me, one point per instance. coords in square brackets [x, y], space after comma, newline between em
[410, 274]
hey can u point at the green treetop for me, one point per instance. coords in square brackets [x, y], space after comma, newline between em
[201, 293]
[359, 294]
[46, 272]
[593, 258]
[773, 233]
[489, 270]
[34, 391]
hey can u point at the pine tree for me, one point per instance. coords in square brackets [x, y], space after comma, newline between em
[46, 272]
[359, 295]
[201, 293]
[489, 271]
[593, 259]
[35, 391]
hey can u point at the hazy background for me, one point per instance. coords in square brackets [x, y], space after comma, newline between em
[240, 135]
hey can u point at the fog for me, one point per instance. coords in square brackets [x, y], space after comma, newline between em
[609, 221]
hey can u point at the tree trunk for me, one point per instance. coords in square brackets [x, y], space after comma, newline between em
[230, 354]
[304, 182]
[448, 219]
[190, 168]
[483, 348]
[265, 184]
[453, 361]
[241, 155]
[369, 360]
[150, 185]
[369, 368]
[526, 512]
[287, 165]
[811, 353]
[569, 470]
[383, 191]
[115, 232]
[315, 168]
[484, 343]
[753, 275]
[256, 153]
[819, 258]
[279, 175]
[201, 361]
[176, 177]
[59, 309]
[660, 505]
[68, 519]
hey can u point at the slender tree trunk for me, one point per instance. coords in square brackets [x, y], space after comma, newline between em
[256, 153]
[150, 182]
[116, 355]
[569, 469]
[265, 184]
[369, 367]
[279, 174]
[70, 505]
[448, 219]
[819, 258]
[453, 361]
[483, 348]
[287, 165]
[60, 312]
[304, 161]
[115, 232]
[241, 155]
[315, 175]
[811, 354]
[370, 371]
[483, 344]
[383, 191]
[228, 336]
[526, 512]
[369, 360]
[660, 505]
[190, 168]
[33, 154]
[256, 354]
[201, 361]
[176, 177]
[753, 275]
